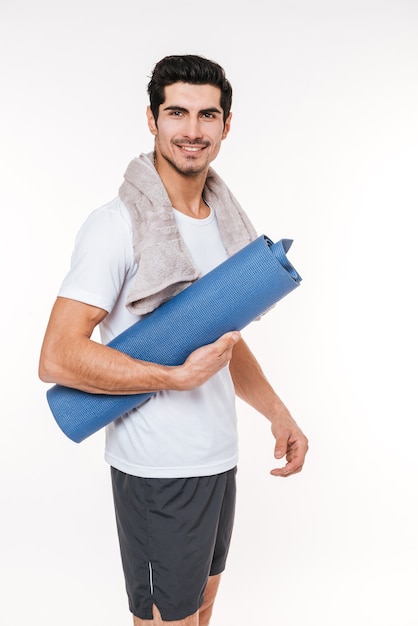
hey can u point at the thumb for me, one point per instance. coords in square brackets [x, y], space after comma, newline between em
[280, 448]
[230, 338]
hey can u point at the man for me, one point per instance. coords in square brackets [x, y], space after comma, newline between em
[173, 460]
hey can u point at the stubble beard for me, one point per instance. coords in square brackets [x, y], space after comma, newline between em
[189, 168]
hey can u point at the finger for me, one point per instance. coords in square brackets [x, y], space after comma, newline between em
[287, 470]
[295, 461]
[233, 337]
[228, 340]
[281, 448]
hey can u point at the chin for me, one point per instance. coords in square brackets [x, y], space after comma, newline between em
[190, 169]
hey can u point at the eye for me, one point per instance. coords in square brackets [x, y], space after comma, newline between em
[208, 116]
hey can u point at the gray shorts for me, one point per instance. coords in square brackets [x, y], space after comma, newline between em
[173, 533]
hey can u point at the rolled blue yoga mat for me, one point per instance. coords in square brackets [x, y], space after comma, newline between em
[228, 298]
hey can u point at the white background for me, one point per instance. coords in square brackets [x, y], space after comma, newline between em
[323, 150]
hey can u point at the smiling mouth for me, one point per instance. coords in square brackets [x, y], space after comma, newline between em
[192, 148]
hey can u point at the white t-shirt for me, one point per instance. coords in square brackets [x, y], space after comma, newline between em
[173, 434]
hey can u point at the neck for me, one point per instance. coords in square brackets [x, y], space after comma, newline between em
[185, 191]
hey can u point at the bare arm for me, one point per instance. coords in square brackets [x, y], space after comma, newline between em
[70, 357]
[252, 386]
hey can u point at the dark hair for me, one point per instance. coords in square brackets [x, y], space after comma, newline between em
[191, 69]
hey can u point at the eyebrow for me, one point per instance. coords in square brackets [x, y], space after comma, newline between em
[184, 110]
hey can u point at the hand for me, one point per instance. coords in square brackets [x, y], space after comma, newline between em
[290, 442]
[206, 361]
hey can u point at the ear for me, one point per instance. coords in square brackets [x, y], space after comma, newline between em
[152, 125]
[227, 126]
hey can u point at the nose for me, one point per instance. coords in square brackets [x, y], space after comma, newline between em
[192, 128]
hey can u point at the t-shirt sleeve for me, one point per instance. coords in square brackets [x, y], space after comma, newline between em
[101, 260]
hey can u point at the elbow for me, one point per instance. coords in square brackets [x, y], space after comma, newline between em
[47, 370]
[44, 372]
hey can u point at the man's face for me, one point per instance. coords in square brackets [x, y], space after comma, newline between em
[190, 128]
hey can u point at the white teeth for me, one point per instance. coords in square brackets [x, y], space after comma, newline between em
[190, 149]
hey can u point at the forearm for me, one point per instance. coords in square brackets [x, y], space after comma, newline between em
[71, 358]
[89, 366]
[251, 385]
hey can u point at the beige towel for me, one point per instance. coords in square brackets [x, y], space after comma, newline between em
[165, 266]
